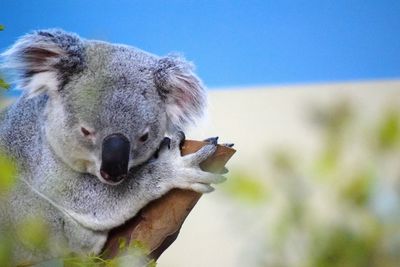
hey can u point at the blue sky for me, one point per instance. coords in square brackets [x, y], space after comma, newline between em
[235, 43]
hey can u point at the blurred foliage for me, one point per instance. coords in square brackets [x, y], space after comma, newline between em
[5, 250]
[33, 233]
[333, 122]
[133, 255]
[358, 189]
[345, 248]
[389, 130]
[283, 161]
[246, 188]
[7, 181]
[3, 84]
[341, 208]
[7, 174]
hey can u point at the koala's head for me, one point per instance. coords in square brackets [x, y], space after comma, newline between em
[108, 106]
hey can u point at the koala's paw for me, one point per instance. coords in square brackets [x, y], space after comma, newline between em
[187, 172]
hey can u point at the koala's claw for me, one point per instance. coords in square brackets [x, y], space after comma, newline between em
[202, 188]
[224, 171]
[212, 140]
[177, 140]
[183, 138]
[164, 145]
[172, 144]
[228, 144]
[200, 181]
[166, 142]
[199, 176]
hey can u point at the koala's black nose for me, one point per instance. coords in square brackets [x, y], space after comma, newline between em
[115, 158]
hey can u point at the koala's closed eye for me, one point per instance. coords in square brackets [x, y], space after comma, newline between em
[144, 137]
[85, 131]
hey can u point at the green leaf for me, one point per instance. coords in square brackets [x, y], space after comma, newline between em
[5, 250]
[7, 174]
[328, 161]
[122, 243]
[3, 84]
[359, 188]
[389, 130]
[33, 232]
[139, 246]
[2, 27]
[152, 263]
[283, 161]
[246, 188]
[345, 248]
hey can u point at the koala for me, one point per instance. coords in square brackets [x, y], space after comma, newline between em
[88, 136]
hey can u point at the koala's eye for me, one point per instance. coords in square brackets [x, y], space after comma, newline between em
[144, 137]
[85, 131]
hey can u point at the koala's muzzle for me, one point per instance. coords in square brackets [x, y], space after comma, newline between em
[115, 158]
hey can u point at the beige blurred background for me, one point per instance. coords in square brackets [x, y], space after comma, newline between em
[223, 230]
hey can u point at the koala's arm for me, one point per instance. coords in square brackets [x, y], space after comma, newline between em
[171, 170]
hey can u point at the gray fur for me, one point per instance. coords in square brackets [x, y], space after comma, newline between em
[71, 83]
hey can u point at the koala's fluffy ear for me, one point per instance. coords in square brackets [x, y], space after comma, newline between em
[182, 91]
[43, 61]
